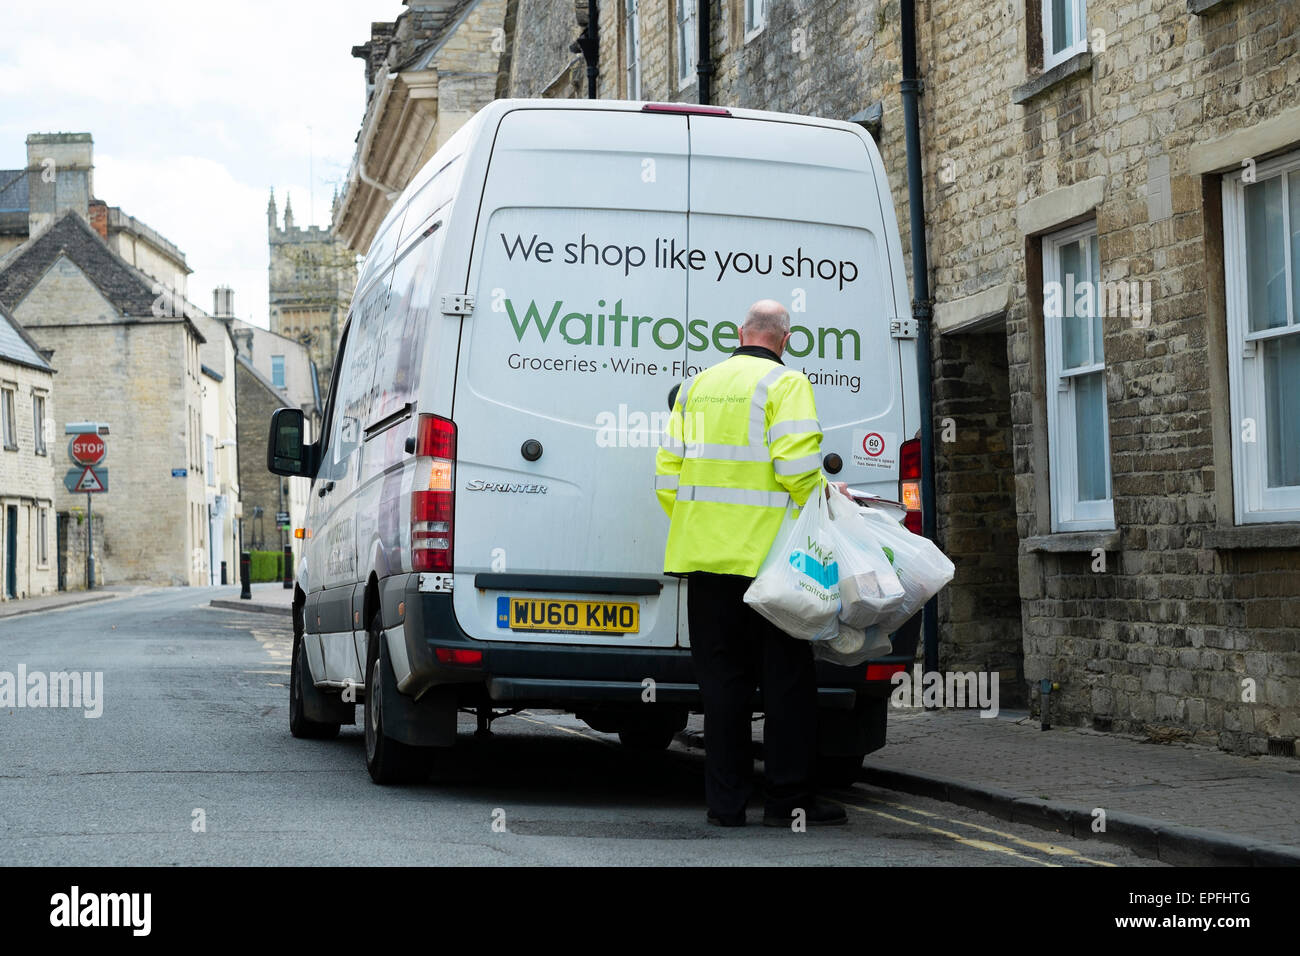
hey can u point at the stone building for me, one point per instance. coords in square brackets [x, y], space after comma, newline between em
[28, 563]
[1115, 338]
[129, 355]
[426, 73]
[311, 278]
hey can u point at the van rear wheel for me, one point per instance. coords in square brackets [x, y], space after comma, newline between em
[388, 760]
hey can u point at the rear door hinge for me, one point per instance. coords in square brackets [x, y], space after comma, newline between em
[902, 328]
[457, 303]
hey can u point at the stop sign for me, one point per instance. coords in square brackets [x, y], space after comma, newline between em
[88, 449]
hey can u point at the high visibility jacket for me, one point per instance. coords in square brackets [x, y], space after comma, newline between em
[742, 441]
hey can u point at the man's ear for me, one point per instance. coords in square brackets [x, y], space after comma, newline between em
[740, 334]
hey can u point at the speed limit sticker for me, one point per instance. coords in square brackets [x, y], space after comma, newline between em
[875, 449]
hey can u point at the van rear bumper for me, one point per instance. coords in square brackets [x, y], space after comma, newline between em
[531, 674]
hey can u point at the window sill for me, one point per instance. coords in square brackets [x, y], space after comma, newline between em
[1201, 7]
[1079, 63]
[11, 447]
[1252, 537]
[1070, 542]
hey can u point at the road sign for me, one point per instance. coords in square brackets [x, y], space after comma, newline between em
[86, 480]
[282, 517]
[87, 449]
[180, 472]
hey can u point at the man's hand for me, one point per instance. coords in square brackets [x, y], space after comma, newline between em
[841, 486]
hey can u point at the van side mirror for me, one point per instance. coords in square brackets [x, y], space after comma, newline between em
[286, 452]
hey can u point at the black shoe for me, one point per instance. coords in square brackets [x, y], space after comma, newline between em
[730, 821]
[817, 813]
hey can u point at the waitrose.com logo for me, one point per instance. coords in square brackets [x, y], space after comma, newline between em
[627, 329]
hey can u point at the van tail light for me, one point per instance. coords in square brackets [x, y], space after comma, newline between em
[909, 483]
[433, 500]
[877, 672]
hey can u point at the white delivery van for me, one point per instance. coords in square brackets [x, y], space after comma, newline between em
[483, 533]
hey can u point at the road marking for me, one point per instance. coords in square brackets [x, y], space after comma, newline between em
[984, 845]
[567, 730]
[1051, 849]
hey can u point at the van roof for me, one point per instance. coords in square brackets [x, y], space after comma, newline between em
[499, 107]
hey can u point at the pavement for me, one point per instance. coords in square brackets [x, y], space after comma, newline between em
[1180, 803]
[273, 598]
[62, 599]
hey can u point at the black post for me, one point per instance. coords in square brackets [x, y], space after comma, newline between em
[90, 542]
[911, 88]
[245, 575]
[288, 567]
[223, 572]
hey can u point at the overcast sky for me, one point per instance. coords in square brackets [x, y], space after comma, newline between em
[196, 111]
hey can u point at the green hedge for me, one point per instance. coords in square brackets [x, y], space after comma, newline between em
[266, 566]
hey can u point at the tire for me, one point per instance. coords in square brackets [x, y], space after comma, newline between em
[389, 761]
[838, 771]
[299, 725]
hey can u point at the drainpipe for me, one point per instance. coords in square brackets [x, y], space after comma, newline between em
[589, 46]
[911, 88]
[704, 67]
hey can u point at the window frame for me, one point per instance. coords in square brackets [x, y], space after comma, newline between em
[755, 18]
[1069, 513]
[1080, 17]
[283, 371]
[632, 37]
[1253, 501]
[686, 38]
[42, 537]
[38, 423]
[9, 417]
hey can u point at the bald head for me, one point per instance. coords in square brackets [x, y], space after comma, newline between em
[766, 324]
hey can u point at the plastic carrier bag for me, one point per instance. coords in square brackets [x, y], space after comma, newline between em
[922, 568]
[869, 587]
[798, 585]
[852, 646]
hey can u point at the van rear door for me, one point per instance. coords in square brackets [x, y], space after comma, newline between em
[562, 380]
[793, 212]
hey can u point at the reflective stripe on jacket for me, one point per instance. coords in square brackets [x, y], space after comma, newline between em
[742, 441]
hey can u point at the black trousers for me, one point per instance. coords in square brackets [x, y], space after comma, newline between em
[735, 648]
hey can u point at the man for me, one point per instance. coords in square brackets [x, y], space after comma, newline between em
[742, 441]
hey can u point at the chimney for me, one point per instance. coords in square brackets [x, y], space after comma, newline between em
[223, 302]
[99, 217]
[59, 176]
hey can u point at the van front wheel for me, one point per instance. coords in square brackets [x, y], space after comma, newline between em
[388, 760]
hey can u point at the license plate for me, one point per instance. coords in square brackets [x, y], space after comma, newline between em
[568, 617]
